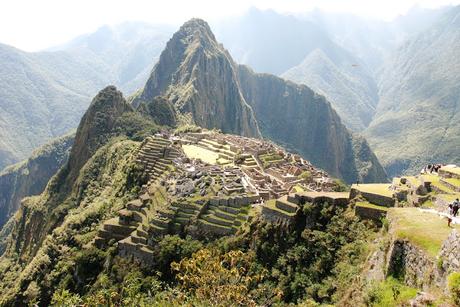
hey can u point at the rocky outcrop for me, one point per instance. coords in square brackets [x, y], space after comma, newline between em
[197, 75]
[31, 176]
[407, 261]
[449, 255]
[97, 126]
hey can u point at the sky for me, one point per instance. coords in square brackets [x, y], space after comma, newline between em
[34, 25]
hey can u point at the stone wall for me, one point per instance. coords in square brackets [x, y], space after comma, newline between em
[370, 213]
[409, 262]
[449, 257]
[376, 199]
[275, 216]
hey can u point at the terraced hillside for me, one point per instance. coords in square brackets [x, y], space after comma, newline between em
[428, 190]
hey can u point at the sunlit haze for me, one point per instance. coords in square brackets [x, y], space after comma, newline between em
[34, 25]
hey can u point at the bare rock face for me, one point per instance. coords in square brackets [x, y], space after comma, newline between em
[303, 121]
[197, 75]
[31, 176]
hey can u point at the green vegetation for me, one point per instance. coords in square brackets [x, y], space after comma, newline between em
[305, 175]
[31, 176]
[389, 293]
[340, 186]
[374, 188]
[453, 283]
[425, 230]
[366, 204]
[197, 152]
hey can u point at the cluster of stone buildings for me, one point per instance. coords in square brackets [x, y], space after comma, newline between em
[184, 194]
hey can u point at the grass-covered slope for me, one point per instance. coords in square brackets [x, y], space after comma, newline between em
[418, 112]
[42, 96]
[51, 230]
[31, 176]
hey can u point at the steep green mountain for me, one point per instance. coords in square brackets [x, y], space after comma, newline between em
[44, 94]
[418, 111]
[51, 257]
[197, 75]
[30, 177]
[207, 88]
[109, 116]
[343, 79]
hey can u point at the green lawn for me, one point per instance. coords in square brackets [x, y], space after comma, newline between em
[391, 292]
[374, 188]
[197, 152]
[453, 181]
[426, 230]
[449, 197]
[366, 204]
[453, 170]
[434, 179]
[272, 205]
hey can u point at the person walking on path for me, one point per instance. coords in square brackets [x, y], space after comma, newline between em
[455, 207]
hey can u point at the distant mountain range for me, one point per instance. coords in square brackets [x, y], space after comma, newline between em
[418, 117]
[351, 61]
[44, 94]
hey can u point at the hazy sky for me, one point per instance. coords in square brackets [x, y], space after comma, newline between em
[36, 24]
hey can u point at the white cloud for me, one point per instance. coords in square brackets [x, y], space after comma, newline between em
[34, 25]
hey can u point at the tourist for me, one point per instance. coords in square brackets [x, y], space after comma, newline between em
[455, 207]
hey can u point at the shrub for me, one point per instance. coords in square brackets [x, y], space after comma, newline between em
[340, 186]
[453, 282]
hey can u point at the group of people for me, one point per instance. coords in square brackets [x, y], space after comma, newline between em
[431, 168]
[453, 210]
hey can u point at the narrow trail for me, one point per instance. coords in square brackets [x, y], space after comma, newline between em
[455, 220]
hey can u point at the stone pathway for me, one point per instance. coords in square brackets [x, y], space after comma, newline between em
[455, 220]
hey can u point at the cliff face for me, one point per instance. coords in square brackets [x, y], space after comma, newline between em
[197, 75]
[299, 119]
[31, 176]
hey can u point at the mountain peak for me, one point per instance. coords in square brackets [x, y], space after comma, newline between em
[197, 33]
